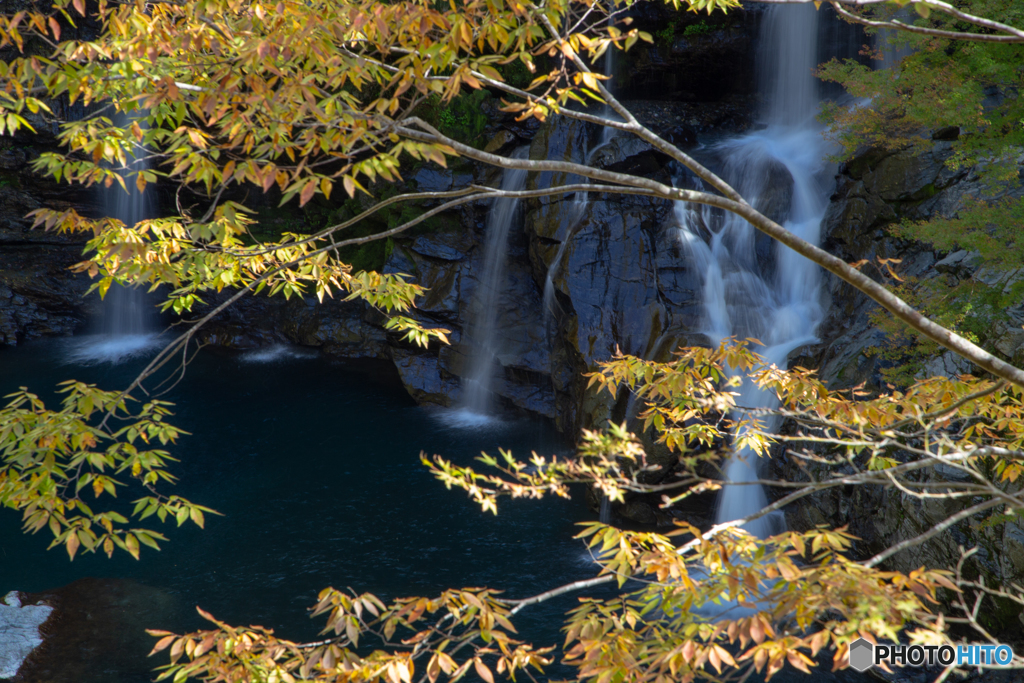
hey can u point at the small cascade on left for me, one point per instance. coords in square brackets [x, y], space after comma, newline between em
[484, 340]
[126, 325]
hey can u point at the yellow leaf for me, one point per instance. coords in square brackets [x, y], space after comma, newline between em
[132, 545]
[72, 544]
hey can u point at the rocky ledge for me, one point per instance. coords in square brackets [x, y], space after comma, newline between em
[90, 630]
[19, 632]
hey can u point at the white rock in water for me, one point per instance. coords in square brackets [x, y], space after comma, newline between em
[19, 632]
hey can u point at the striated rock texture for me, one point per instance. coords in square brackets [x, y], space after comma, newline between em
[873, 191]
[38, 295]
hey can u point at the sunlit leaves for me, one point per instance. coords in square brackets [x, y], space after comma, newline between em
[674, 627]
[304, 96]
[53, 461]
[409, 633]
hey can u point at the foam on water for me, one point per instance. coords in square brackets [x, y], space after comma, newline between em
[467, 419]
[111, 348]
[276, 354]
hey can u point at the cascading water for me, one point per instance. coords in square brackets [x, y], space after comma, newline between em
[750, 287]
[484, 343]
[892, 43]
[125, 325]
[126, 313]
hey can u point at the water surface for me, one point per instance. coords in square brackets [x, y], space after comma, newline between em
[315, 465]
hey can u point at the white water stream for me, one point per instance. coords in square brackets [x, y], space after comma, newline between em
[484, 340]
[126, 327]
[769, 293]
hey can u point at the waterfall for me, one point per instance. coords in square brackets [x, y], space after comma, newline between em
[892, 44]
[125, 310]
[483, 333]
[752, 287]
[786, 56]
[125, 315]
[549, 301]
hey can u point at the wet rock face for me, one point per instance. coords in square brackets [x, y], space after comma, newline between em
[450, 265]
[694, 58]
[39, 296]
[618, 277]
[874, 190]
[609, 283]
[425, 378]
[619, 280]
[337, 328]
[609, 274]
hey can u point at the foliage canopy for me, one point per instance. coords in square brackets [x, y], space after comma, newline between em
[303, 96]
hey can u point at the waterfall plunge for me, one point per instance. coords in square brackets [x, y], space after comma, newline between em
[773, 294]
[484, 342]
[125, 311]
[126, 317]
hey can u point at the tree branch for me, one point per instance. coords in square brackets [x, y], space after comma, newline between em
[886, 299]
[922, 30]
[938, 5]
[555, 592]
[931, 533]
[647, 135]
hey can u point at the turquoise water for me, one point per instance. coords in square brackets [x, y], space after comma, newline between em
[315, 465]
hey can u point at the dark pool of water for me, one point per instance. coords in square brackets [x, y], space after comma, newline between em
[315, 466]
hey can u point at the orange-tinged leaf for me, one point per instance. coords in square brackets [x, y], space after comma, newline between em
[797, 660]
[433, 669]
[482, 671]
[307, 192]
[162, 644]
[714, 659]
